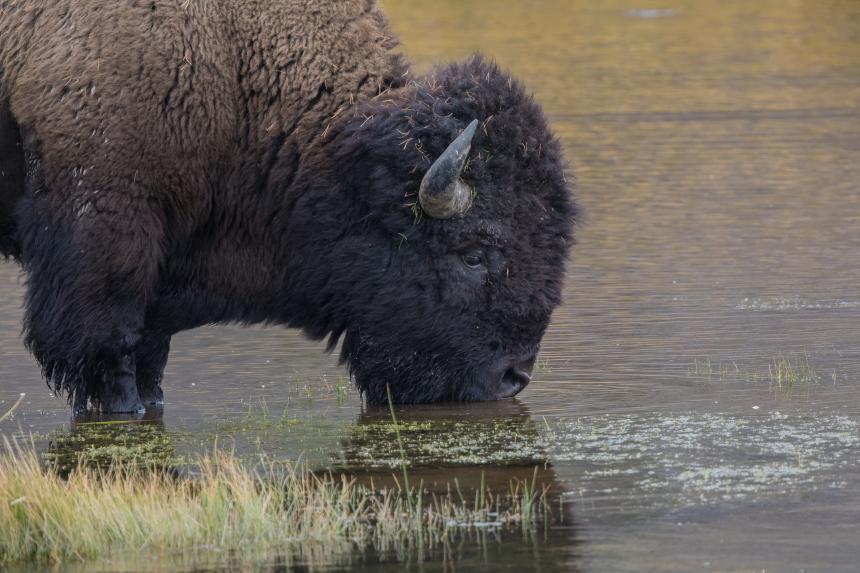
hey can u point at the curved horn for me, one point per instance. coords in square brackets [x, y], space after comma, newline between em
[442, 194]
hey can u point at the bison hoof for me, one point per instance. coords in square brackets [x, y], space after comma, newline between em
[122, 405]
[123, 408]
[118, 393]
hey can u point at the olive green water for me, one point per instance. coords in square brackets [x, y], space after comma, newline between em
[717, 153]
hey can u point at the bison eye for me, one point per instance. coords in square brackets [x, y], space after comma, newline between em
[473, 259]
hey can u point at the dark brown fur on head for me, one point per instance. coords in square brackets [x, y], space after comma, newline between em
[171, 164]
[416, 318]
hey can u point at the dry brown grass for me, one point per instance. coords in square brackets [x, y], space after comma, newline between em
[224, 506]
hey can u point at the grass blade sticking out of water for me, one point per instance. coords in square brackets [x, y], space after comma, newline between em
[785, 374]
[222, 507]
[399, 444]
[14, 407]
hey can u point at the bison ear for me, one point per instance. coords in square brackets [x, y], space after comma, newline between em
[442, 193]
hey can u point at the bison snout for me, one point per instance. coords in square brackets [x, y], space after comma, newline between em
[515, 378]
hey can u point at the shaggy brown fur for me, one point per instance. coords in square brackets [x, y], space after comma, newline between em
[168, 163]
[130, 133]
[135, 103]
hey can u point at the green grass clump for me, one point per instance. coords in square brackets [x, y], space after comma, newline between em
[222, 506]
[783, 373]
[787, 374]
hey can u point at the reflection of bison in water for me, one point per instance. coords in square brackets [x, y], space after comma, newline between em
[167, 164]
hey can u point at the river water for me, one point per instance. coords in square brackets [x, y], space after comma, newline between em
[696, 405]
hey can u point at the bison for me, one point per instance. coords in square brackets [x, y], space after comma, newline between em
[166, 164]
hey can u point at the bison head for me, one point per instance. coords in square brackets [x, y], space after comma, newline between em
[449, 259]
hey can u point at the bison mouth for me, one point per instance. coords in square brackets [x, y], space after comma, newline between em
[381, 373]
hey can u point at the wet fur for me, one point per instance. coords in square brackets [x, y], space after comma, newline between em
[174, 164]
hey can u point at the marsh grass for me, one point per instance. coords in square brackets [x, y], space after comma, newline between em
[403, 460]
[341, 390]
[9, 413]
[258, 418]
[222, 506]
[785, 374]
[543, 365]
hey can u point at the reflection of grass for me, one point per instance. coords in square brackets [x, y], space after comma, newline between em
[223, 507]
[705, 367]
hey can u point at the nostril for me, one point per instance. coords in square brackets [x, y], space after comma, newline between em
[510, 376]
[519, 374]
[513, 381]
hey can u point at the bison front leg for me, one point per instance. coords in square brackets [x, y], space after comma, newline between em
[92, 262]
[151, 358]
[98, 369]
